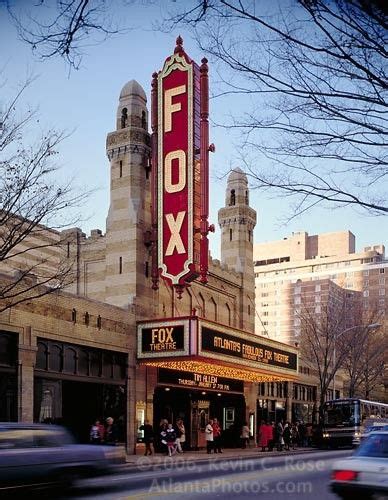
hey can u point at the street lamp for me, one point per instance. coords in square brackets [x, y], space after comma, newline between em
[368, 327]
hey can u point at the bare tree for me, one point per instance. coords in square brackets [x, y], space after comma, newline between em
[32, 259]
[319, 344]
[314, 78]
[313, 74]
[63, 28]
[365, 351]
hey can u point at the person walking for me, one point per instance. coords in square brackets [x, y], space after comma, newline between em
[279, 436]
[181, 435]
[111, 432]
[171, 440]
[217, 436]
[271, 429]
[148, 437]
[294, 436]
[244, 436]
[263, 435]
[97, 432]
[287, 436]
[162, 436]
[209, 436]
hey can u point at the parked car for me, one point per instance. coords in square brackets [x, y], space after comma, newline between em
[365, 474]
[40, 455]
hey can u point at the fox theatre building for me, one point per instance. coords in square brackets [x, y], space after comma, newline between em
[203, 361]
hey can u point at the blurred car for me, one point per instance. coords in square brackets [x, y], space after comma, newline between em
[41, 455]
[373, 428]
[365, 474]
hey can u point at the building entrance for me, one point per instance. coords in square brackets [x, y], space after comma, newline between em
[196, 407]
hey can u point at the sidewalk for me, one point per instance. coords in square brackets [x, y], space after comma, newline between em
[199, 456]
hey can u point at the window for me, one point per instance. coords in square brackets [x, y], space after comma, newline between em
[317, 298]
[230, 235]
[297, 290]
[382, 270]
[365, 293]
[382, 291]
[366, 283]
[381, 281]
[297, 300]
[318, 287]
[120, 265]
[366, 273]
[318, 309]
[121, 169]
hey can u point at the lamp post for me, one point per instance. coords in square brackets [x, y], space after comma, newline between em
[368, 327]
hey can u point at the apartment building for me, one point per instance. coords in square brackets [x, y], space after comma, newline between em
[301, 264]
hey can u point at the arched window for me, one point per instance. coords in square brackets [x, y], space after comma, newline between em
[228, 314]
[202, 305]
[83, 362]
[246, 197]
[55, 358]
[95, 364]
[70, 361]
[42, 356]
[214, 306]
[230, 234]
[232, 197]
[124, 117]
[143, 120]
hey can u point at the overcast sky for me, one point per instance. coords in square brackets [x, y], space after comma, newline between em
[84, 103]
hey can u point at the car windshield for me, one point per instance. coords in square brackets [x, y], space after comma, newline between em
[341, 415]
[35, 437]
[376, 445]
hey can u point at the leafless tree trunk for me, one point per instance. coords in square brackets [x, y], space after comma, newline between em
[32, 258]
[365, 346]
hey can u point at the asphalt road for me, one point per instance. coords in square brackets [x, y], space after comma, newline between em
[304, 476]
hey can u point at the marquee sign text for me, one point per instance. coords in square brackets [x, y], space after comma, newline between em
[235, 347]
[162, 339]
[200, 381]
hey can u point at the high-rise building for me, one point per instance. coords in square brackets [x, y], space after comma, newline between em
[312, 264]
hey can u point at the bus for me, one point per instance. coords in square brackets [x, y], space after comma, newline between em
[346, 420]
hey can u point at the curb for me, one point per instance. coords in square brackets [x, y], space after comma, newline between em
[137, 462]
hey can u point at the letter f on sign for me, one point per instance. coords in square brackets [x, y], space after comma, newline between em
[169, 107]
[175, 238]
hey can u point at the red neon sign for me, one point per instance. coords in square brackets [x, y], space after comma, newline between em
[180, 197]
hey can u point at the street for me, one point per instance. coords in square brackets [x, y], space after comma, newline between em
[291, 476]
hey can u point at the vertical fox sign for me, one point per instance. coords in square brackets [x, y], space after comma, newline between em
[180, 149]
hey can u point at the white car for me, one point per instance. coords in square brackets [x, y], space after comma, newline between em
[365, 474]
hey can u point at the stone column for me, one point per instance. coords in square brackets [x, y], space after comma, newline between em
[250, 393]
[290, 390]
[131, 404]
[26, 363]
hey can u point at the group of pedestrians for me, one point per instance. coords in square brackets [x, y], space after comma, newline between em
[283, 435]
[170, 439]
[213, 436]
[104, 434]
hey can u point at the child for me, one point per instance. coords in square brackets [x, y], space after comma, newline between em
[171, 440]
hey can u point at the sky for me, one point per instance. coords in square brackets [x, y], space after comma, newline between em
[83, 102]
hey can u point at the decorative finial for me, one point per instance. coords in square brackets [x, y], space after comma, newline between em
[179, 45]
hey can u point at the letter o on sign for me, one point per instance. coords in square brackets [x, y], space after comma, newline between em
[181, 157]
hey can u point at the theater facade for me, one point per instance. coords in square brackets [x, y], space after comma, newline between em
[152, 326]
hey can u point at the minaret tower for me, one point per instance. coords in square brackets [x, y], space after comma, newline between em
[237, 221]
[128, 149]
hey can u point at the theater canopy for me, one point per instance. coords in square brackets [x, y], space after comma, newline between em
[195, 345]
